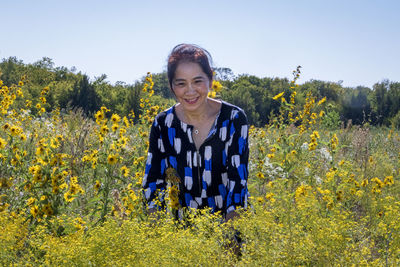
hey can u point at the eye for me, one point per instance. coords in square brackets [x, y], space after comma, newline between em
[198, 81]
[179, 84]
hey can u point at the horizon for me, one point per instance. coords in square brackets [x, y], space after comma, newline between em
[74, 70]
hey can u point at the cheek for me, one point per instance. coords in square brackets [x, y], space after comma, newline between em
[178, 92]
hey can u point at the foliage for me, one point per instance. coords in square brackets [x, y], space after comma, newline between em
[70, 188]
[395, 121]
[331, 120]
[377, 106]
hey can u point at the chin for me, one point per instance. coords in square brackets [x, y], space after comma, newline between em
[194, 104]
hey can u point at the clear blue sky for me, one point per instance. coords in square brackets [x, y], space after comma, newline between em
[354, 41]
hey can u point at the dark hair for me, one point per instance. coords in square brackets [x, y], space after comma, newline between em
[188, 53]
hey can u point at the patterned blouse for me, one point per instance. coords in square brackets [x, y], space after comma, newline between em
[213, 176]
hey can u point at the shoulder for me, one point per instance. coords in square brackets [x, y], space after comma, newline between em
[234, 112]
[163, 117]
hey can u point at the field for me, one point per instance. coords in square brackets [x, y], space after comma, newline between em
[70, 192]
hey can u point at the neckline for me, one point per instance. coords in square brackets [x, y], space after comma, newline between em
[190, 125]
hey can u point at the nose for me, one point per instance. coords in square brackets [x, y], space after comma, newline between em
[190, 88]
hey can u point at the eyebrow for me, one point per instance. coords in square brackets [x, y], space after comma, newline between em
[195, 78]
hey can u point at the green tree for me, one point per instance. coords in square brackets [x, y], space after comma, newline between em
[357, 107]
[132, 103]
[161, 85]
[242, 97]
[11, 70]
[321, 89]
[223, 74]
[379, 105]
[84, 96]
[393, 98]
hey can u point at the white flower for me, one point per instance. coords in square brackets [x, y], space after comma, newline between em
[306, 171]
[304, 146]
[325, 154]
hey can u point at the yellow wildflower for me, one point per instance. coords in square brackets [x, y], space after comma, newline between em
[104, 129]
[6, 126]
[30, 201]
[99, 116]
[278, 96]
[112, 159]
[104, 109]
[3, 143]
[173, 193]
[321, 101]
[114, 127]
[15, 130]
[216, 86]
[260, 175]
[40, 150]
[124, 171]
[378, 182]
[388, 180]
[212, 94]
[115, 118]
[270, 196]
[35, 211]
[97, 185]
[54, 143]
[334, 142]
[22, 137]
[47, 209]
[68, 197]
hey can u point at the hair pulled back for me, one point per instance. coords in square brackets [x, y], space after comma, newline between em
[188, 53]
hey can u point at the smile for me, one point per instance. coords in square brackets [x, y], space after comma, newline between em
[192, 100]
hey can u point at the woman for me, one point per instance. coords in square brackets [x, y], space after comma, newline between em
[203, 139]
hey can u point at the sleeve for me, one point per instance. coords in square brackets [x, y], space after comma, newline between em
[154, 178]
[237, 157]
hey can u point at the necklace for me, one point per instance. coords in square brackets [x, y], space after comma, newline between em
[196, 131]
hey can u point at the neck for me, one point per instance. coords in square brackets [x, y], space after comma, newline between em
[199, 115]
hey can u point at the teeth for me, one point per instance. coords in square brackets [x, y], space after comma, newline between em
[191, 100]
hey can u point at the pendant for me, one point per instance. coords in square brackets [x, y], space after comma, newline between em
[196, 131]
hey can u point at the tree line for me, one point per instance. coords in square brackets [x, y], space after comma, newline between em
[69, 89]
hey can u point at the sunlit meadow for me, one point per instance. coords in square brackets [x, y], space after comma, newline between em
[70, 191]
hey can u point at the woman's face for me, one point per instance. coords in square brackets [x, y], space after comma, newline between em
[191, 86]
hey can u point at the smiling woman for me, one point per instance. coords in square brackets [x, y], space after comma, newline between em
[190, 87]
[202, 139]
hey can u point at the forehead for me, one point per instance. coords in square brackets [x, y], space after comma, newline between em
[189, 70]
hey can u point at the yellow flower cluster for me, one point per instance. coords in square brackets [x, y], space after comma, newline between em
[216, 88]
[334, 142]
[9, 94]
[73, 189]
[313, 141]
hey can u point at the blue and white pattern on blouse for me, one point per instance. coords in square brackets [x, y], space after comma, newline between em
[215, 175]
